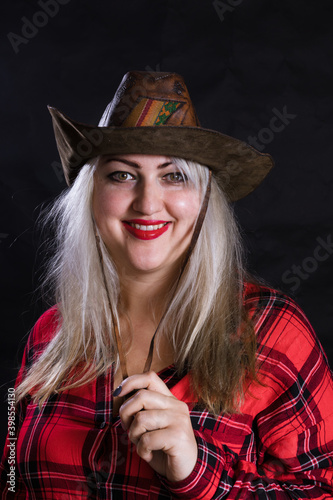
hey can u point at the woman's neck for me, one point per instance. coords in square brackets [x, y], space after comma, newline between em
[144, 295]
[143, 302]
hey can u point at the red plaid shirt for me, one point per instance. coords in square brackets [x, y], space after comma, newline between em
[279, 446]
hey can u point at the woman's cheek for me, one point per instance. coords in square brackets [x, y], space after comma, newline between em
[110, 204]
[185, 206]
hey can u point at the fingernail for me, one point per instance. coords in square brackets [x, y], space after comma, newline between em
[117, 391]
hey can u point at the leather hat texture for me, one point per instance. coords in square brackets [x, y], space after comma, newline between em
[152, 113]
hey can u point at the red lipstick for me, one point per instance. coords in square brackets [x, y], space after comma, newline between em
[146, 229]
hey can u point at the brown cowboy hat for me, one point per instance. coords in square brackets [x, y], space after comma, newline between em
[152, 113]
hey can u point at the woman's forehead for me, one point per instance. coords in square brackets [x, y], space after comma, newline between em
[138, 159]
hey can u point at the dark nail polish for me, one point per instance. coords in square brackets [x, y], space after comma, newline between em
[117, 391]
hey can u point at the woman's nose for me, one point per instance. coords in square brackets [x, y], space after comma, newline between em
[148, 199]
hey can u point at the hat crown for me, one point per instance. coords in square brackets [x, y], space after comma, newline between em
[150, 99]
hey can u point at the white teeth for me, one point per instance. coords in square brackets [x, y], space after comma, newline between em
[147, 228]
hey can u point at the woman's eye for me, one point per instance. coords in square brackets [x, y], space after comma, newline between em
[175, 177]
[120, 176]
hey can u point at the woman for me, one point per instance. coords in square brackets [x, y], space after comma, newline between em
[161, 373]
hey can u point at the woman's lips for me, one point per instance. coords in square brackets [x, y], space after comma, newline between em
[146, 229]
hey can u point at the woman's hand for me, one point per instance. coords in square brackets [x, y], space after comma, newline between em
[159, 425]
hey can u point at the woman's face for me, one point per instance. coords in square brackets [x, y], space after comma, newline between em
[144, 210]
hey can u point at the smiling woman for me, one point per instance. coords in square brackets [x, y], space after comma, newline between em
[146, 197]
[163, 370]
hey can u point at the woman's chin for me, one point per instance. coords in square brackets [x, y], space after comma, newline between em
[150, 265]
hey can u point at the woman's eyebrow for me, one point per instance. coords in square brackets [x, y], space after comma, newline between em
[136, 165]
[166, 164]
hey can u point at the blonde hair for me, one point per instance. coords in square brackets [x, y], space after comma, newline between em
[205, 321]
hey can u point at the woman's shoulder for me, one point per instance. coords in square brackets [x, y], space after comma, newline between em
[264, 300]
[45, 327]
[278, 320]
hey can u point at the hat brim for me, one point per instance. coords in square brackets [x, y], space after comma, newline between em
[237, 167]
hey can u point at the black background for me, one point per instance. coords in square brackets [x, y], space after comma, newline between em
[244, 62]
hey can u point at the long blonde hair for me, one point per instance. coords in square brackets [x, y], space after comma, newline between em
[205, 321]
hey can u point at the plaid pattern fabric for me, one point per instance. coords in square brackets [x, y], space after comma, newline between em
[279, 446]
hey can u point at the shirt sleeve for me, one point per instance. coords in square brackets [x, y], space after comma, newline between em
[292, 424]
[11, 485]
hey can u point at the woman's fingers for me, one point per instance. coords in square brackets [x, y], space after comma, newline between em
[171, 451]
[159, 440]
[160, 426]
[149, 380]
[151, 420]
[145, 399]
[166, 441]
[149, 392]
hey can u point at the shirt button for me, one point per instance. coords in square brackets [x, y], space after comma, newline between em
[102, 425]
[98, 486]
